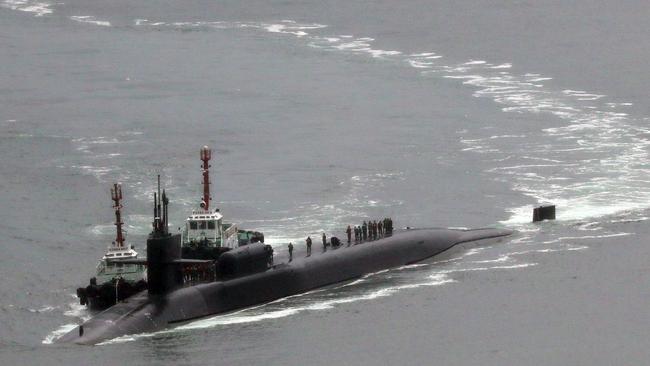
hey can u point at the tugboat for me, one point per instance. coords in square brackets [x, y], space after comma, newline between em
[205, 235]
[115, 280]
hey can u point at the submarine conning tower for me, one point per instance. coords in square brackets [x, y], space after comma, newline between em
[163, 250]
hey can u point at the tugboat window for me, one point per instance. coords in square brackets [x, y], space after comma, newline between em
[211, 225]
[193, 225]
[202, 225]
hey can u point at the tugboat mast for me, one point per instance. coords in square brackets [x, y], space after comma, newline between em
[116, 195]
[206, 154]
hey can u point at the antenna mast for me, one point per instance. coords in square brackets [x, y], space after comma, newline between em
[160, 213]
[116, 195]
[206, 154]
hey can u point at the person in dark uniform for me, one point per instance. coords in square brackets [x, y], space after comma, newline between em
[290, 252]
[380, 229]
[349, 232]
[324, 242]
[364, 230]
[374, 229]
[308, 241]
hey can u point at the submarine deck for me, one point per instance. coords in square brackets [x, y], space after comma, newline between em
[281, 253]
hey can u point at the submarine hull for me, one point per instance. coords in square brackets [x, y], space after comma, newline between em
[147, 312]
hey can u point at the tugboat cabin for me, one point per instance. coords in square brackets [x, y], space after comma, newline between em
[205, 227]
[205, 235]
[111, 267]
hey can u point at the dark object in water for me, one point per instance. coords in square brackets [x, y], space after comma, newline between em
[544, 213]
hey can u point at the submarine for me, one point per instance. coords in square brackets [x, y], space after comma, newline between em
[247, 276]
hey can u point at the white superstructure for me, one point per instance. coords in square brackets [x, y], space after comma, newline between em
[110, 265]
[208, 227]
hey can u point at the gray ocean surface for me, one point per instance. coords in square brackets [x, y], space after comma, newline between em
[323, 114]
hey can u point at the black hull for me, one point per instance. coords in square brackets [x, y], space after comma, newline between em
[202, 251]
[146, 312]
[101, 297]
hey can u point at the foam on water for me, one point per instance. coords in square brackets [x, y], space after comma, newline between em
[596, 156]
[500, 259]
[473, 269]
[606, 147]
[76, 310]
[271, 311]
[597, 153]
[89, 19]
[54, 335]
[38, 8]
[43, 309]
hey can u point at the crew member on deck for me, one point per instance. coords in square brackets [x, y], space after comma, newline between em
[380, 229]
[373, 226]
[349, 232]
[290, 252]
[324, 242]
[364, 230]
[308, 241]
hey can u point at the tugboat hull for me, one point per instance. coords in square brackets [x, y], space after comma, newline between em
[147, 312]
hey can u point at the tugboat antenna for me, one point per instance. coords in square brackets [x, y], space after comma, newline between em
[116, 195]
[206, 154]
